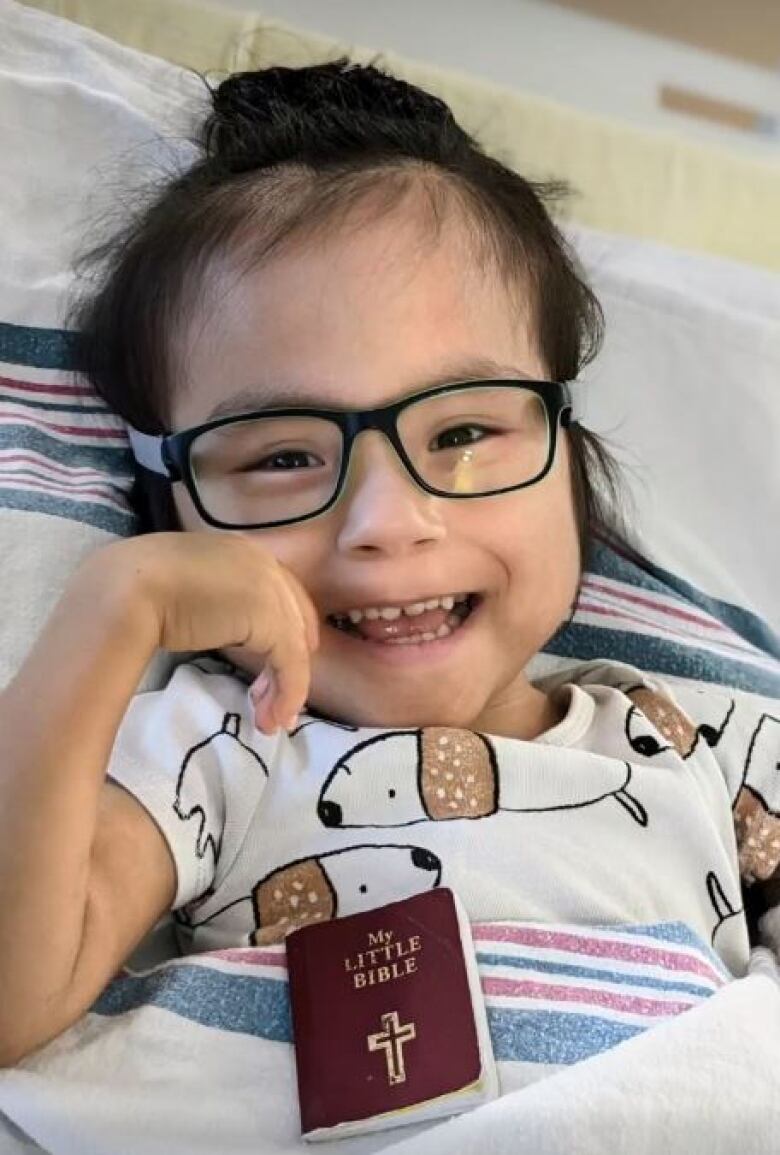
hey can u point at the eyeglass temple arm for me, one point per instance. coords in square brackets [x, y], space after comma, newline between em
[147, 450]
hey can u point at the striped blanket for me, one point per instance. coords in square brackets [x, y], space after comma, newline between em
[555, 994]
[194, 1056]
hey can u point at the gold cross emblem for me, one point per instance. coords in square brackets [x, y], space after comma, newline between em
[391, 1041]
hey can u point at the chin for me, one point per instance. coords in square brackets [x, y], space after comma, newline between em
[385, 714]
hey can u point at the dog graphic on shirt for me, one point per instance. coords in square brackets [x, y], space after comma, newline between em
[203, 761]
[438, 774]
[756, 819]
[325, 886]
[655, 723]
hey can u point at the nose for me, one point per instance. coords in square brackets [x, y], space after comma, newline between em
[382, 508]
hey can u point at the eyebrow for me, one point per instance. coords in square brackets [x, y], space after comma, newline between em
[278, 395]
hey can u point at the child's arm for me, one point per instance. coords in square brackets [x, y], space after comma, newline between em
[58, 720]
[84, 871]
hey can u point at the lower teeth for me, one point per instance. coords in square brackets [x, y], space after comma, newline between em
[444, 631]
[454, 620]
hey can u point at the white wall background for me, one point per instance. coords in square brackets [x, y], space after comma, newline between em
[539, 47]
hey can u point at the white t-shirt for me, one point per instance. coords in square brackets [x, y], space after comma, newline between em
[644, 804]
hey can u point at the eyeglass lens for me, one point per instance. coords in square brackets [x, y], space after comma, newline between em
[472, 441]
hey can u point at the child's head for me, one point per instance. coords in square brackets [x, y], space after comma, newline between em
[345, 240]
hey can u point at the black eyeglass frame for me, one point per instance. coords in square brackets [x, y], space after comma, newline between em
[169, 454]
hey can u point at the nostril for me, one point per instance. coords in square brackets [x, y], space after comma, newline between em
[424, 859]
[330, 813]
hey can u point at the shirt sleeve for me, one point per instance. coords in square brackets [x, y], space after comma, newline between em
[187, 753]
[726, 730]
[743, 732]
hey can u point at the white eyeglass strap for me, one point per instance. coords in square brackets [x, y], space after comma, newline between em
[147, 451]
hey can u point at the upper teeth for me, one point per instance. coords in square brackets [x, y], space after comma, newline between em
[390, 613]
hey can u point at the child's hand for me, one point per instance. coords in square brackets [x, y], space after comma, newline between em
[220, 590]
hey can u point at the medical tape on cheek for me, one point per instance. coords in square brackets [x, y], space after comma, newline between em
[463, 480]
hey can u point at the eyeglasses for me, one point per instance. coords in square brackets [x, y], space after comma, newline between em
[278, 467]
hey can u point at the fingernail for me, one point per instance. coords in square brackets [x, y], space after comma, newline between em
[260, 687]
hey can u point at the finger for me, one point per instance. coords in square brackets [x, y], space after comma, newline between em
[287, 661]
[292, 676]
[306, 608]
[262, 693]
[301, 600]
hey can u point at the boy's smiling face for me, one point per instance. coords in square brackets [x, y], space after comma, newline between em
[360, 318]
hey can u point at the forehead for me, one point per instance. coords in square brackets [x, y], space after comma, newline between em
[357, 318]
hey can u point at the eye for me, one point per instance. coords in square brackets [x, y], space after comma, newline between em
[458, 435]
[391, 794]
[283, 460]
[645, 744]
[363, 888]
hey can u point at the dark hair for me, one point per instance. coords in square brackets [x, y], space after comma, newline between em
[287, 154]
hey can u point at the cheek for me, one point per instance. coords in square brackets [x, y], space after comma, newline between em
[541, 548]
[303, 549]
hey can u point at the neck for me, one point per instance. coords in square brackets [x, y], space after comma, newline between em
[524, 713]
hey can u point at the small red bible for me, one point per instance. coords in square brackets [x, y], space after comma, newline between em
[388, 1018]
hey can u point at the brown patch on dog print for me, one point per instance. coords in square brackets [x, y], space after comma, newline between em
[758, 837]
[295, 895]
[668, 719]
[457, 774]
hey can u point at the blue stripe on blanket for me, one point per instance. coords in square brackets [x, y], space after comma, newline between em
[581, 991]
[114, 464]
[682, 935]
[260, 1007]
[545, 966]
[645, 574]
[553, 1036]
[664, 655]
[51, 406]
[247, 1004]
[113, 521]
[33, 486]
[39, 348]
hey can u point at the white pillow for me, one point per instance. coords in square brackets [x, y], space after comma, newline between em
[688, 384]
[78, 113]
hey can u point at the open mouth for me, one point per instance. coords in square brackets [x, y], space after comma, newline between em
[424, 622]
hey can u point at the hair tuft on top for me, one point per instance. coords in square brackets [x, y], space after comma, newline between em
[320, 114]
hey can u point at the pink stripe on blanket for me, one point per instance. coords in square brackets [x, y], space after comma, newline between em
[53, 426]
[632, 1004]
[67, 482]
[596, 947]
[45, 387]
[728, 640]
[251, 956]
[662, 607]
[74, 493]
[46, 465]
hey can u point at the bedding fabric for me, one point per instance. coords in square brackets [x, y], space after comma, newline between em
[630, 180]
[195, 1058]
